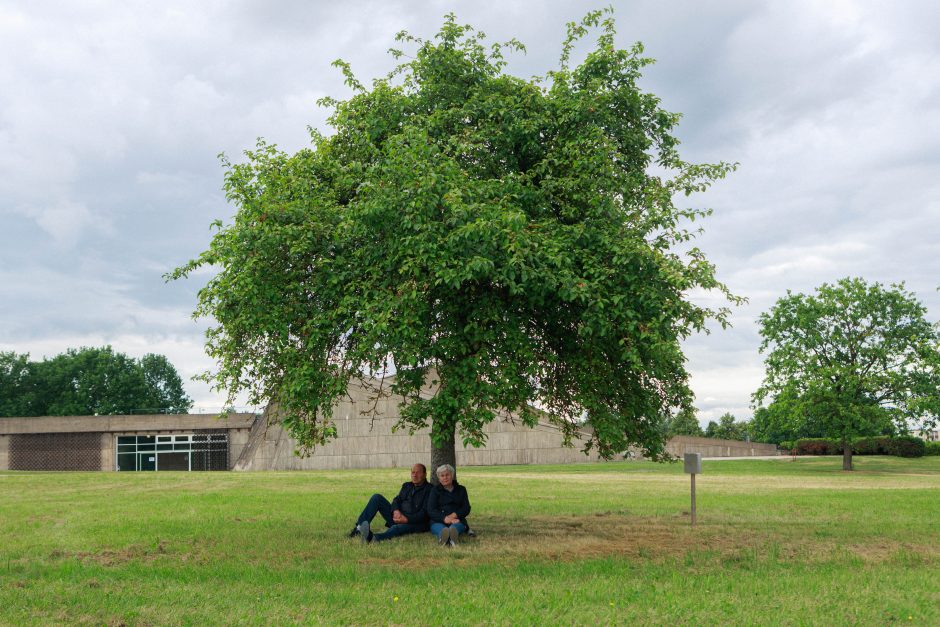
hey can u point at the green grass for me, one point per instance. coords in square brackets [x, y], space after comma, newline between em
[778, 542]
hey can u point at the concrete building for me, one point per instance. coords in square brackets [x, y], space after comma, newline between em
[251, 442]
[138, 442]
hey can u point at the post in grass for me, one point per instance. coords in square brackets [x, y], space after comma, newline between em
[693, 466]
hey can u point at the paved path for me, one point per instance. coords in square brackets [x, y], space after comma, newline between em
[718, 459]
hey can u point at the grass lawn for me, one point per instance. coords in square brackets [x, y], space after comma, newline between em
[778, 542]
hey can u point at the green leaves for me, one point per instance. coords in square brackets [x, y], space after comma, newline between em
[499, 236]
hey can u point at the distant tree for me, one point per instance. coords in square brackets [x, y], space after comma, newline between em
[497, 242]
[16, 393]
[164, 387]
[91, 381]
[727, 428]
[684, 423]
[850, 360]
[771, 426]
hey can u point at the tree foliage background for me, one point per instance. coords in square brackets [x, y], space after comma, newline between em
[853, 359]
[496, 243]
[684, 422]
[727, 428]
[90, 381]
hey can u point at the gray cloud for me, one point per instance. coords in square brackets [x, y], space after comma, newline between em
[111, 117]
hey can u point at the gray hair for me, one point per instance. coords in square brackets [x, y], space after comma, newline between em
[444, 467]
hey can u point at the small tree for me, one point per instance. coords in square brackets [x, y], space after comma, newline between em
[495, 242]
[684, 422]
[727, 428]
[849, 360]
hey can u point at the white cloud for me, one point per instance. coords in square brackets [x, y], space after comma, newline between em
[66, 221]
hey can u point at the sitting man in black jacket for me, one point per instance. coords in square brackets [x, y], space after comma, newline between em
[405, 514]
[448, 507]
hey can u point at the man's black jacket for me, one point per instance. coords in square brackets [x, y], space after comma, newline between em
[442, 502]
[412, 501]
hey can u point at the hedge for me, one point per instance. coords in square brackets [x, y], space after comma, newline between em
[900, 446]
[877, 445]
[817, 446]
[907, 446]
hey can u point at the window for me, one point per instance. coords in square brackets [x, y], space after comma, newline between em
[172, 452]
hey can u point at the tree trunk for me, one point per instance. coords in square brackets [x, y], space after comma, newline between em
[846, 455]
[443, 449]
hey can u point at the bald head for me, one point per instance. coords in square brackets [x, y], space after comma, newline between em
[419, 474]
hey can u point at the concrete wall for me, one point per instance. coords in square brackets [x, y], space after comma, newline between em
[237, 439]
[370, 442]
[709, 447]
[4, 452]
[364, 442]
[108, 451]
[137, 423]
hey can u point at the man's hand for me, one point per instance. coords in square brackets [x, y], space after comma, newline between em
[450, 519]
[398, 518]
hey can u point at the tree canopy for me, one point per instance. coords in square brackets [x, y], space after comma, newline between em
[727, 428]
[90, 381]
[497, 243]
[684, 422]
[853, 359]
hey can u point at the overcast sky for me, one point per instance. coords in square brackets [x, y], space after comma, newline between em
[112, 115]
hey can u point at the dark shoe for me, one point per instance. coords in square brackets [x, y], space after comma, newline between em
[354, 532]
[471, 533]
[365, 534]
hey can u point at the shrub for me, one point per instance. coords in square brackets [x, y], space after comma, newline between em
[786, 445]
[907, 446]
[877, 445]
[817, 446]
[901, 446]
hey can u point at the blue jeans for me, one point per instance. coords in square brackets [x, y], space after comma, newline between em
[378, 504]
[437, 528]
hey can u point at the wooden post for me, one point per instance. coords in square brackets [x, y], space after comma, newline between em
[693, 466]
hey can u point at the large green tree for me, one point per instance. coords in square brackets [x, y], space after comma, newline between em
[495, 242]
[90, 381]
[849, 360]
